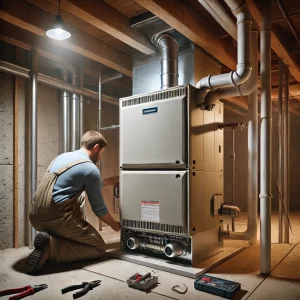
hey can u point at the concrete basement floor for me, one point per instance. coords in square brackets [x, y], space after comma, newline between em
[283, 282]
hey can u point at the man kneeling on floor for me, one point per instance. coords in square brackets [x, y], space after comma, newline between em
[58, 207]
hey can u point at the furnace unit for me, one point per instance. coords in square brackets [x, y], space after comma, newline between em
[171, 177]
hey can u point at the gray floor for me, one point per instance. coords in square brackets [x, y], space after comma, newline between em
[282, 283]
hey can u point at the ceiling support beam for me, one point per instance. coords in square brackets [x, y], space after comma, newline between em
[278, 43]
[34, 20]
[190, 24]
[107, 19]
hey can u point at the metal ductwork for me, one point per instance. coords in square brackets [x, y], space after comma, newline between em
[241, 74]
[64, 104]
[265, 141]
[75, 106]
[168, 48]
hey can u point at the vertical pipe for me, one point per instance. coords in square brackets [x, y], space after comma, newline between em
[265, 142]
[81, 108]
[233, 174]
[33, 79]
[168, 48]
[253, 154]
[99, 125]
[64, 104]
[15, 165]
[74, 116]
[280, 144]
[286, 155]
[99, 121]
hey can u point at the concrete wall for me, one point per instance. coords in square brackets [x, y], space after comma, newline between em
[241, 163]
[48, 148]
[47, 137]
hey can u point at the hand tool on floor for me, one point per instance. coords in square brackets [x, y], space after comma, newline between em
[142, 282]
[23, 291]
[85, 287]
[217, 286]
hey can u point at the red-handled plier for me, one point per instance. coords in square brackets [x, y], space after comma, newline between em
[23, 291]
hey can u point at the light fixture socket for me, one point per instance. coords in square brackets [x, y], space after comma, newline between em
[58, 31]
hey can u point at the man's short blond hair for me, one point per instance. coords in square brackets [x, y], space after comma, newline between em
[91, 138]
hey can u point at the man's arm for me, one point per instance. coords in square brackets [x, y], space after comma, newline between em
[110, 221]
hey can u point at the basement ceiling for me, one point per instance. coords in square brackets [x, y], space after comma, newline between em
[103, 41]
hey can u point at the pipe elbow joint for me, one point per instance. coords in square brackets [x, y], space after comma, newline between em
[241, 74]
[204, 83]
[203, 101]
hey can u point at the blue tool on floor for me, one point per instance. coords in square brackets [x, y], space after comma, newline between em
[217, 286]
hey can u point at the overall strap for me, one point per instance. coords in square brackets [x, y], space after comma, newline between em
[51, 164]
[70, 165]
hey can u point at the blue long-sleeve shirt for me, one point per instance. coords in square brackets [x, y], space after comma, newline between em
[85, 176]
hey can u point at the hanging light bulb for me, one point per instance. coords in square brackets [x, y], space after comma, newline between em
[58, 31]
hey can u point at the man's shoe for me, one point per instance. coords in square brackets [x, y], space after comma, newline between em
[40, 254]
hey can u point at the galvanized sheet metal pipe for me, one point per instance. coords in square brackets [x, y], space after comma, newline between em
[168, 48]
[265, 142]
[74, 116]
[64, 104]
[33, 79]
[280, 152]
[81, 107]
[286, 156]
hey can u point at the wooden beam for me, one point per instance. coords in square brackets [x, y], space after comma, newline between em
[107, 19]
[34, 20]
[294, 90]
[189, 23]
[241, 101]
[278, 43]
[63, 61]
[15, 164]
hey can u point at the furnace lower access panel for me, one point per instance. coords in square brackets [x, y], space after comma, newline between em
[154, 200]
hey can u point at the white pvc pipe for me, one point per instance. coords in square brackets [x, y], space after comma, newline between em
[251, 233]
[243, 70]
[265, 142]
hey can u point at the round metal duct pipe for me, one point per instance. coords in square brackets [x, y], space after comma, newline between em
[168, 48]
[133, 243]
[173, 250]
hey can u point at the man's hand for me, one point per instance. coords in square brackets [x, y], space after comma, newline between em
[116, 226]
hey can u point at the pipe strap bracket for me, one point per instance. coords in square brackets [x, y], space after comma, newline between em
[265, 196]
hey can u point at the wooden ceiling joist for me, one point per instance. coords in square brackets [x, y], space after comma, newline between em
[107, 19]
[278, 43]
[190, 24]
[34, 20]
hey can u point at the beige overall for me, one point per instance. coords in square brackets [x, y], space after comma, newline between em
[71, 236]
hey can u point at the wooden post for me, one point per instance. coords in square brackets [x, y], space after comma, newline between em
[15, 164]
